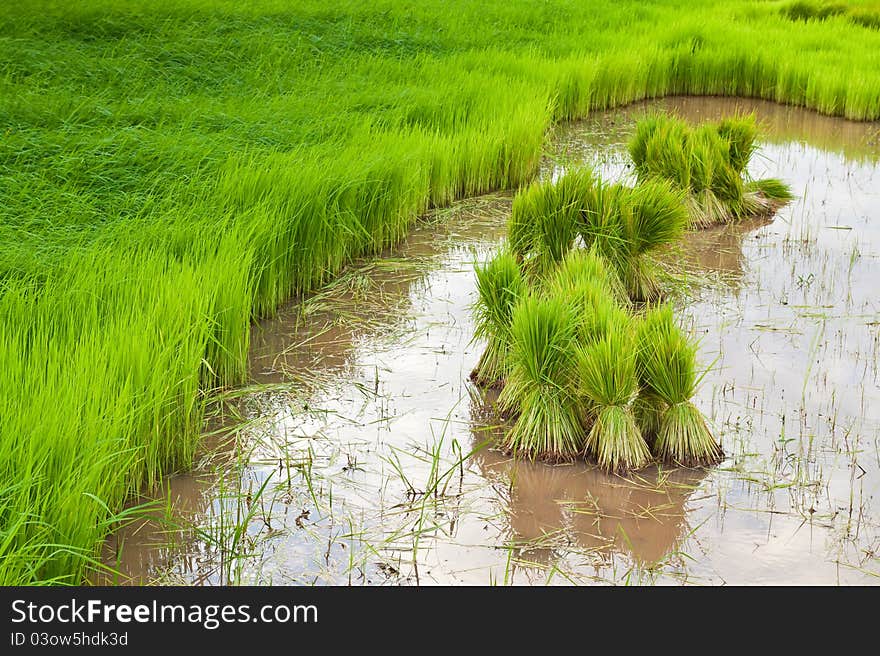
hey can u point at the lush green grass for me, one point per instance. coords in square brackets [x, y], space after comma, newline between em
[168, 170]
[864, 14]
[866, 17]
[804, 10]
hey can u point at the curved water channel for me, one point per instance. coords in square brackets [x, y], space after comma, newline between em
[363, 454]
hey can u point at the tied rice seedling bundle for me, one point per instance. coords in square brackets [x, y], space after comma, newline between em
[608, 380]
[741, 135]
[716, 193]
[540, 388]
[622, 224]
[500, 285]
[583, 269]
[657, 151]
[584, 281]
[598, 312]
[544, 219]
[627, 225]
[648, 410]
[599, 225]
[653, 214]
[709, 163]
[668, 371]
[766, 196]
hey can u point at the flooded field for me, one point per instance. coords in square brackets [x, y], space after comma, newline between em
[362, 454]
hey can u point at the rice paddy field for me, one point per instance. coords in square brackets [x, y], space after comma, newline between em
[205, 321]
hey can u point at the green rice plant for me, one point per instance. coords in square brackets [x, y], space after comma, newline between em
[544, 219]
[600, 225]
[804, 10]
[583, 269]
[865, 17]
[522, 224]
[741, 134]
[653, 215]
[500, 285]
[771, 189]
[540, 387]
[608, 380]
[586, 282]
[667, 367]
[623, 225]
[628, 225]
[708, 163]
[22, 559]
[657, 149]
[172, 170]
[766, 196]
[716, 185]
[648, 410]
[601, 314]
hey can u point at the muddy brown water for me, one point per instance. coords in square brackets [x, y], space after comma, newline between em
[363, 454]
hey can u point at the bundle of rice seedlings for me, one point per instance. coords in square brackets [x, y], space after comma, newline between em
[744, 197]
[555, 234]
[544, 220]
[540, 384]
[599, 315]
[647, 128]
[741, 134]
[715, 187]
[627, 225]
[766, 196]
[599, 225]
[586, 282]
[621, 224]
[667, 369]
[648, 410]
[653, 214]
[500, 285]
[608, 379]
[657, 149]
[583, 267]
[521, 224]
[708, 163]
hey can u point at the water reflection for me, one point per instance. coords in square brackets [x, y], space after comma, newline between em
[319, 334]
[578, 505]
